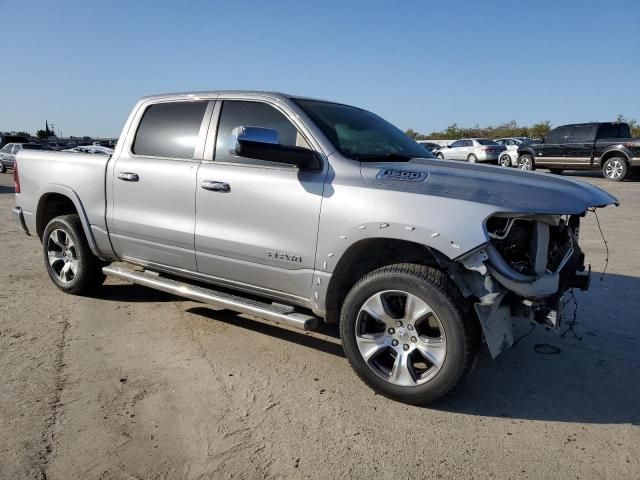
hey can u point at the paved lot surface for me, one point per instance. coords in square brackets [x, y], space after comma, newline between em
[138, 384]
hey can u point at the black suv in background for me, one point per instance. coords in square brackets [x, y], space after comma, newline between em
[584, 146]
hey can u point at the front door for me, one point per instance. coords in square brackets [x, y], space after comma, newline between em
[551, 153]
[154, 183]
[258, 231]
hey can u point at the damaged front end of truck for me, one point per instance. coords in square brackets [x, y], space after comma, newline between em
[523, 273]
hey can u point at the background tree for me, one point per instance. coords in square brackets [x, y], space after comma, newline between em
[23, 134]
[411, 133]
[42, 134]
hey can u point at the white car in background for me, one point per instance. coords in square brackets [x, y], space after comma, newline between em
[509, 158]
[472, 150]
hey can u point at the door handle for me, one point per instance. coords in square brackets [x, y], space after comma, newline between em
[128, 176]
[215, 186]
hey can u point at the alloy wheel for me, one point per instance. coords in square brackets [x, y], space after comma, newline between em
[400, 338]
[62, 255]
[505, 161]
[614, 169]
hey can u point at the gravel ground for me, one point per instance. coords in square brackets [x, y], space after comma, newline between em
[137, 384]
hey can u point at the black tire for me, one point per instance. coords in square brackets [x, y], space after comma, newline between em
[88, 274]
[433, 287]
[526, 162]
[472, 158]
[556, 171]
[615, 169]
[505, 160]
[440, 156]
[2, 167]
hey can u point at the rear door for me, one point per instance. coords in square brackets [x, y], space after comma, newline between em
[259, 233]
[552, 152]
[154, 183]
[579, 149]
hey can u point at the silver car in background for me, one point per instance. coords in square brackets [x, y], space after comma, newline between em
[10, 150]
[472, 150]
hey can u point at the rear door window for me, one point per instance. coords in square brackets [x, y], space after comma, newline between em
[169, 130]
[583, 133]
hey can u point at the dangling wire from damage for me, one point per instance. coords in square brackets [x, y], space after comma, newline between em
[606, 245]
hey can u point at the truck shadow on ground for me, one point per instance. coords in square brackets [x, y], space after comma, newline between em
[127, 292]
[587, 377]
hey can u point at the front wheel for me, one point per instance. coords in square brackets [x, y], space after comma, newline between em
[525, 162]
[440, 156]
[2, 167]
[615, 169]
[505, 160]
[405, 333]
[67, 256]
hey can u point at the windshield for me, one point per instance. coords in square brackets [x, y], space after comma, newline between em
[362, 135]
[486, 141]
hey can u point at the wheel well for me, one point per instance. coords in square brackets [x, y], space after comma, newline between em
[364, 257]
[611, 154]
[52, 205]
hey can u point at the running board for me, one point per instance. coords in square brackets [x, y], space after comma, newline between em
[283, 314]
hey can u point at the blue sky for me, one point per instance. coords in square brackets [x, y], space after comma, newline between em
[419, 64]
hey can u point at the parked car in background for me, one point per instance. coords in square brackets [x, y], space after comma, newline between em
[98, 149]
[472, 150]
[431, 146]
[8, 153]
[509, 158]
[5, 139]
[607, 146]
[318, 209]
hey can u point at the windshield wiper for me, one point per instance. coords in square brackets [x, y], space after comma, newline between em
[390, 157]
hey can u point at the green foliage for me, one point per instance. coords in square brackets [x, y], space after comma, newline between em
[23, 134]
[42, 134]
[508, 129]
[411, 133]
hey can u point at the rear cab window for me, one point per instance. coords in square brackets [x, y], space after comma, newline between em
[169, 130]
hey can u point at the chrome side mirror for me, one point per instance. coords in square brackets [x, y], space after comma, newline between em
[241, 133]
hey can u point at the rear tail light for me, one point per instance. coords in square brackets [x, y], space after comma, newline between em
[16, 178]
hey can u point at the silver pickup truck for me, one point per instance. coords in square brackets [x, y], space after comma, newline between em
[299, 211]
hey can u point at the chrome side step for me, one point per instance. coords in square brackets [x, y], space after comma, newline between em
[283, 314]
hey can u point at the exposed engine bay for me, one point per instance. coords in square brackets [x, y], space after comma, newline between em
[523, 273]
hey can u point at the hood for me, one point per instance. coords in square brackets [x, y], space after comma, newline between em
[509, 189]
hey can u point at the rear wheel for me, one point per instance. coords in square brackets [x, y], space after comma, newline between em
[505, 160]
[525, 162]
[67, 256]
[472, 158]
[2, 167]
[615, 169]
[404, 332]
